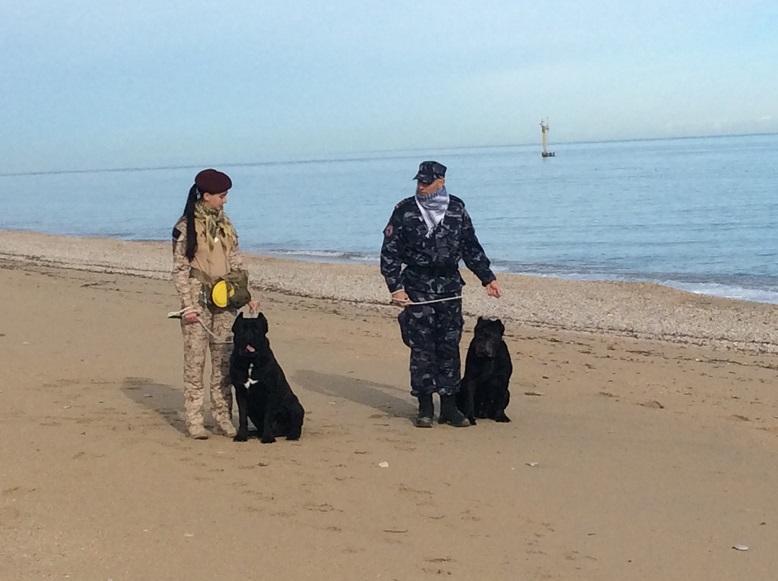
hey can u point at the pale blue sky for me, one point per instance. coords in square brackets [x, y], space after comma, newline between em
[95, 84]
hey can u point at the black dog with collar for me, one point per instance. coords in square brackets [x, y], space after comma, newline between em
[261, 389]
[488, 368]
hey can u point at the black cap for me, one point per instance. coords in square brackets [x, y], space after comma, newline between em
[429, 171]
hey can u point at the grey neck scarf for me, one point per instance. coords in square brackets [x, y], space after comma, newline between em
[433, 208]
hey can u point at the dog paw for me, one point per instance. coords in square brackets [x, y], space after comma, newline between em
[472, 420]
[267, 439]
[241, 438]
[502, 419]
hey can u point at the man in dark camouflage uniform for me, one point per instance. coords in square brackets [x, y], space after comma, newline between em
[426, 237]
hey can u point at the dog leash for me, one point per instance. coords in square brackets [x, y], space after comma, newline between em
[180, 314]
[413, 304]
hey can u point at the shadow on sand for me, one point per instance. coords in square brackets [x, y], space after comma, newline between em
[161, 398]
[167, 401]
[375, 395]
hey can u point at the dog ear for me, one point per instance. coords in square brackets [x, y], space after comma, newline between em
[262, 323]
[502, 327]
[236, 322]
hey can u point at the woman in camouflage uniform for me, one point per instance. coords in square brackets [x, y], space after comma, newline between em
[205, 247]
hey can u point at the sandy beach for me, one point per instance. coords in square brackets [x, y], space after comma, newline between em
[644, 441]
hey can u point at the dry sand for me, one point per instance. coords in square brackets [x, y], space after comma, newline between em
[643, 443]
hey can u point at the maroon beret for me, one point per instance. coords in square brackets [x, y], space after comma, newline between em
[212, 182]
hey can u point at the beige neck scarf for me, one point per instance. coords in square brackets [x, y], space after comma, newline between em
[216, 226]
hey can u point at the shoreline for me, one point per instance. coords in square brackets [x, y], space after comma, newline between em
[716, 286]
[621, 309]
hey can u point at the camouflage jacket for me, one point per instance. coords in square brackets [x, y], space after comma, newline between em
[186, 286]
[431, 262]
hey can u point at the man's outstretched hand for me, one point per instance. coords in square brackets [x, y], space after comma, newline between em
[493, 289]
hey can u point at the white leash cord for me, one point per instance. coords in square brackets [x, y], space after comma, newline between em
[432, 301]
[184, 311]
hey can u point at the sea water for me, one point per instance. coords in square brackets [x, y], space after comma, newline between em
[700, 214]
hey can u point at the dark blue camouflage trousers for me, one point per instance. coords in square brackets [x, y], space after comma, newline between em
[433, 333]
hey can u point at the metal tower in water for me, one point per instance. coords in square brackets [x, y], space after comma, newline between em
[544, 129]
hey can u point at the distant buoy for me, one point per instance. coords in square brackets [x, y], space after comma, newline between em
[544, 130]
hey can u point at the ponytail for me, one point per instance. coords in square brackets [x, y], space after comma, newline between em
[189, 213]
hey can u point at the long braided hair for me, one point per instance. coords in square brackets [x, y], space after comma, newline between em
[189, 215]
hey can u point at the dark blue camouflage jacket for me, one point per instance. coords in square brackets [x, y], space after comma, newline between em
[431, 263]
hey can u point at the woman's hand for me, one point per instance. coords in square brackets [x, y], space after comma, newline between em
[191, 317]
[253, 306]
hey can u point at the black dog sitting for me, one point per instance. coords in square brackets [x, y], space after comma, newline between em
[488, 369]
[261, 389]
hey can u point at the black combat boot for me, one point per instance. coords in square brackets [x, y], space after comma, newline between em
[450, 414]
[426, 411]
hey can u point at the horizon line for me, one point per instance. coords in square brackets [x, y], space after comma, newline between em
[318, 158]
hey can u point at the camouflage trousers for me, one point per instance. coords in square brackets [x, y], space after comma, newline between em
[433, 333]
[196, 342]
